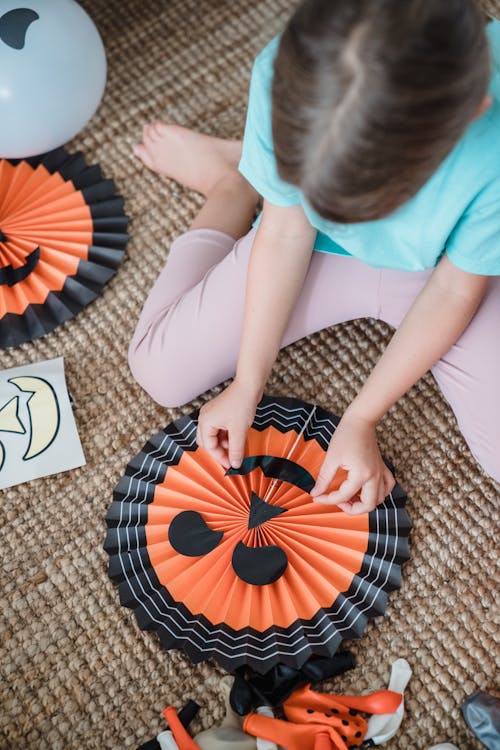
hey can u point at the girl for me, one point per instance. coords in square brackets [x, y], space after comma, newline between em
[373, 136]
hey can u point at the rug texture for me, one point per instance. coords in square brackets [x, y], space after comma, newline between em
[76, 672]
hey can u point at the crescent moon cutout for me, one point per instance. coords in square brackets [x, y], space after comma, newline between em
[44, 413]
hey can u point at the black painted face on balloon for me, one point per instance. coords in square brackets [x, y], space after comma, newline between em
[190, 535]
[14, 26]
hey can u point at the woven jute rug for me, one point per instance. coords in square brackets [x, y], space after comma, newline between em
[76, 672]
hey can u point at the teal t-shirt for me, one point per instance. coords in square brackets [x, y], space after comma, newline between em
[457, 211]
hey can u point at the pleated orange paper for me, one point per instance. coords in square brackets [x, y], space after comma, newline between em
[62, 236]
[243, 566]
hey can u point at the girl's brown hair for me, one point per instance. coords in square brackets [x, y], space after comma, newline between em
[370, 96]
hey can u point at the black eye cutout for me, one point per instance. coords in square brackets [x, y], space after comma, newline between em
[14, 26]
[189, 534]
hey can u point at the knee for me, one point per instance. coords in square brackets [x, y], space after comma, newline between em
[487, 453]
[159, 377]
[489, 462]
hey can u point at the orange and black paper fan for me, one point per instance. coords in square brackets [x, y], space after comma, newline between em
[63, 233]
[241, 565]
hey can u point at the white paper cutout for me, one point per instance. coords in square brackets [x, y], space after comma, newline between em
[38, 434]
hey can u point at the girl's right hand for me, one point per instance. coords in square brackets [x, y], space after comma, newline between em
[223, 424]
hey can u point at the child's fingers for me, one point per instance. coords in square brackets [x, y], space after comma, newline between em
[325, 476]
[220, 455]
[208, 437]
[371, 492]
[346, 491]
[355, 507]
[237, 437]
[389, 482]
[347, 507]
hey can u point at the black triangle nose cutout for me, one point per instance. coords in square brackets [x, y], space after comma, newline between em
[3, 237]
[260, 511]
[14, 25]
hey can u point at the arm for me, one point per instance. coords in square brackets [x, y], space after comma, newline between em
[278, 264]
[435, 321]
[277, 268]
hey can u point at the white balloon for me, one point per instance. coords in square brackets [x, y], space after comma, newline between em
[166, 741]
[52, 74]
[266, 744]
[382, 727]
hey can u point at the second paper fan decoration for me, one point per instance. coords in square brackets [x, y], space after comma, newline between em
[242, 566]
[63, 234]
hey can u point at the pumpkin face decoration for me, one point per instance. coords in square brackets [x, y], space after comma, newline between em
[242, 565]
[62, 236]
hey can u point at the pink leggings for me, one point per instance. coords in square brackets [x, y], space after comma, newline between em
[188, 335]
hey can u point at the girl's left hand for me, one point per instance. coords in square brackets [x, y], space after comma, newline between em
[354, 448]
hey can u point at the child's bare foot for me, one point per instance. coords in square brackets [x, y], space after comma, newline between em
[195, 160]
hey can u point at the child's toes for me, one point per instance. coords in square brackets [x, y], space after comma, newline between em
[142, 153]
[160, 129]
[147, 132]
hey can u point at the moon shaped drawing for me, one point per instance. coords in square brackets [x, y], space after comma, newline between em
[43, 409]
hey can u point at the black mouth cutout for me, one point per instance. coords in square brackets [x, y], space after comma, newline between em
[10, 276]
[259, 566]
[14, 26]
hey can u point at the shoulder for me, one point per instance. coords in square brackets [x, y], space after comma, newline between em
[474, 244]
[474, 163]
[264, 62]
[493, 34]
[263, 70]
[259, 104]
[258, 163]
